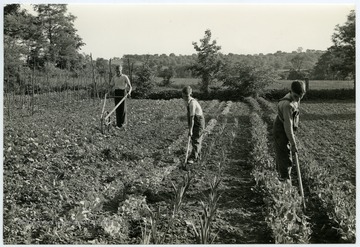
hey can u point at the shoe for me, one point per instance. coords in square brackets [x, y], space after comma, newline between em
[190, 161]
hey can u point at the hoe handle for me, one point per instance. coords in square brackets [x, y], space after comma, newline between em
[187, 149]
[122, 100]
[299, 178]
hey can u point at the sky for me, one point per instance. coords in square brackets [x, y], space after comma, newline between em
[143, 27]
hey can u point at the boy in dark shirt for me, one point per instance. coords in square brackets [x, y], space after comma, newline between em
[285, 124]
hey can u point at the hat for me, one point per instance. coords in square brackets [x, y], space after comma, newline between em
[298, 87]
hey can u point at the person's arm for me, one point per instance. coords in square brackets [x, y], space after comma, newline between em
[192, 115]
[296, 122]
[129, 84]
[288, 123]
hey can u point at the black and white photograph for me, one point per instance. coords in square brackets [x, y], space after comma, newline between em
[178, 122]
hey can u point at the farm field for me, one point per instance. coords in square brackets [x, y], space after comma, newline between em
[315, 84]
[178, 83]
[67, 183]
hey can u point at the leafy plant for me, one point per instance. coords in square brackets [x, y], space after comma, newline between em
[284, 206]
[337, 197]
[155, 235]
[203, 232]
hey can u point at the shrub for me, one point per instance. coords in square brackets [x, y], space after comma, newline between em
[247, 80]
[144, 81]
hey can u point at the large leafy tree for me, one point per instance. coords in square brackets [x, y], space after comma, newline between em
[14, 48]
[208, 61]
[21, 37]
[58, 29]
[344, 44]
[338, 62]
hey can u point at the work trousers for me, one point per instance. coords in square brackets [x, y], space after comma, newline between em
[121, 118]
[282, 149]
[196, 138]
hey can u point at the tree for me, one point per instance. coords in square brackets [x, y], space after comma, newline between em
[58, 29]
[338, 62]
[329, 66]
[344, 42]
[144, 79]
[246, 79]
[102, 66]
[167, 73]
[297, 61]
[20, 37]
[208, 62]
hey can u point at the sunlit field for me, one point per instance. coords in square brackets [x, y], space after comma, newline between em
[66, 182]
[178, 83]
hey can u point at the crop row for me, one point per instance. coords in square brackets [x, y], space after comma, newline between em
[337, 197]
[159, 220]
[227, 157]
[285, 215]
[76, 174]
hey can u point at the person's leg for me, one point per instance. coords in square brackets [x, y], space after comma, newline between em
[118, 110]
[196, 146]
[283, 160]
[199, 125]
[122, 109]
[282, 149]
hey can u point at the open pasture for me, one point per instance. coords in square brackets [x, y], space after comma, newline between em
[315, 84]
[178, 83]
[67, 183]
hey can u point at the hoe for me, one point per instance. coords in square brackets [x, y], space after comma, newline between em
[296, 158]
[187, 152]
[105, 116]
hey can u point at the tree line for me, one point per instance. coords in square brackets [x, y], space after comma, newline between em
[48, 44]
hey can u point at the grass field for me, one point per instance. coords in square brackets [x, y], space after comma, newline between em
[67, 183]
[315, 84]
[179, 83]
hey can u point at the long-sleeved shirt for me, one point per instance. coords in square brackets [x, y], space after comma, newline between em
[288, 112]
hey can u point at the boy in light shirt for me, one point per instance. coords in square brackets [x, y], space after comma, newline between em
[196, 123]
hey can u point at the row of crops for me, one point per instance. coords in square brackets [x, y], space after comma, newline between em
[66, 183]
[326, 186]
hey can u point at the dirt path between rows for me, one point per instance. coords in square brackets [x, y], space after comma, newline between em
[239, 218]
[240, 210]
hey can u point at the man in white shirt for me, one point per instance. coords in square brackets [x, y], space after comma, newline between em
[120, 83]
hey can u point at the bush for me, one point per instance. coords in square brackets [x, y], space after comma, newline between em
[144, 82]
[247, 80]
